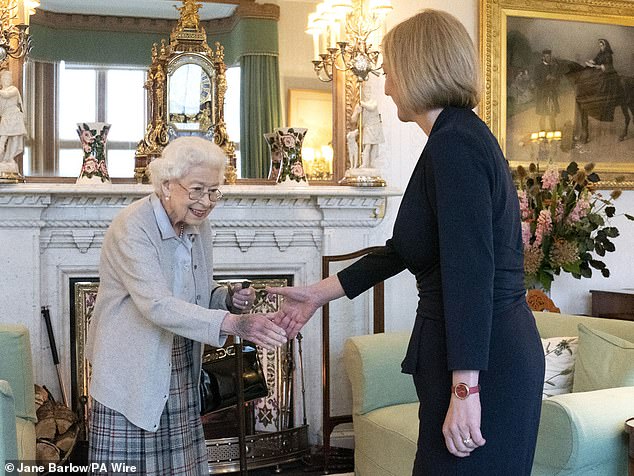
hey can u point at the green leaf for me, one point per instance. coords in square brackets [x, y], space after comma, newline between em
[593, 177]
[596, 264]
[609, 246]
[629, 217]
[586, 272]
[612, 231]
[605, 272]
[610, 211]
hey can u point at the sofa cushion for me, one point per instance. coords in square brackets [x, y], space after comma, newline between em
[603, 361]
[385, 440]
[582, 433]
[559, 353]
[373, 366]
[16, 367]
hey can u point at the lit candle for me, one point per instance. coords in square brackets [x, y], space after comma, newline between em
[542, 134]
[549, 135]
[534, 136]
[316, 45]
[557, 135]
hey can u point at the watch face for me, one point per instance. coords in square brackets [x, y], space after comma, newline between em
[461, 391]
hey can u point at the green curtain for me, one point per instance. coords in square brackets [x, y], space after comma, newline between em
[261, 111]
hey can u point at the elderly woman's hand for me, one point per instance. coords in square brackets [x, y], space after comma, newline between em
[259, 328]
[242, 298]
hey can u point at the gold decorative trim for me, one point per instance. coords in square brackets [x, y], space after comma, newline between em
[493, 31]
[188, 44]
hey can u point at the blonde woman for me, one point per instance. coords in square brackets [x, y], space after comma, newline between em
[475, 354]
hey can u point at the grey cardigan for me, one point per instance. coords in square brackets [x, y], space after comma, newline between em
[135, 318]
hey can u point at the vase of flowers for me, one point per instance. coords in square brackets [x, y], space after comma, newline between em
[565, 222]
[93, 137]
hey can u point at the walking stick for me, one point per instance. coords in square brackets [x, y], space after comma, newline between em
[51, 338]
[240, 405]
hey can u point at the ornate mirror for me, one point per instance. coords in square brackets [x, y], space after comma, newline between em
[186, 88]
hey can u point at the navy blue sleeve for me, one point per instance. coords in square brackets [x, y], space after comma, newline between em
[370, 270]
[459, 183]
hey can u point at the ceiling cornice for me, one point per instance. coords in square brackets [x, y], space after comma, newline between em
[79, 21]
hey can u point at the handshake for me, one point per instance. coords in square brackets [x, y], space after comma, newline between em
[271, 330]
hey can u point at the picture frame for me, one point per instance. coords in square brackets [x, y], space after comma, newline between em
[83, 294]
[514, 36]
[312, 109]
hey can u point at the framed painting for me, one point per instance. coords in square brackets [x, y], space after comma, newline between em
[312, 109]
[83, 293]
[559, 83]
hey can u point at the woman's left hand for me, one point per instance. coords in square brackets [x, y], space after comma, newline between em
[462, 426]
[243, 298]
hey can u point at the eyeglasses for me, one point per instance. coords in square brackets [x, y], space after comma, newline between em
[197, 193]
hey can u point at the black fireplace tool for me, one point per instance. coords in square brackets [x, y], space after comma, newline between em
[51, 339]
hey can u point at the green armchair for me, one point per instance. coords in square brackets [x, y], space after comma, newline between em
[580, 434]
[17, 395]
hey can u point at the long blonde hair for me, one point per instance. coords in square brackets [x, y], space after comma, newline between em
[433, 62]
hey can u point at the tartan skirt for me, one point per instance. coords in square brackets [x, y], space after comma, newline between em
[177, 448]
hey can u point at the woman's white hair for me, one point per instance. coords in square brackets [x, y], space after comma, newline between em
[181, 155]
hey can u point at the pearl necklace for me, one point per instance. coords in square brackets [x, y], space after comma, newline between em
[180, 233]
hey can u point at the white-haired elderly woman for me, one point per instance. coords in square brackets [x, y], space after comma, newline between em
[157, 305]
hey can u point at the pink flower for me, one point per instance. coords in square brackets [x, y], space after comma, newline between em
[582, 207]
[544, 226]
[550, 179]
[297, 169]
[86, 137]
[90, 166]
[525, 211]
[559, 211]
[288, 140]
[526, 233]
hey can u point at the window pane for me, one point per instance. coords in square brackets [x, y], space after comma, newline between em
[120, 163]
[125, 104]
[77, 100]
[70, 161]
[232, 104]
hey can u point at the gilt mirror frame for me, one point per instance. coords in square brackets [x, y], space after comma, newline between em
[569, 16]
[187, 45]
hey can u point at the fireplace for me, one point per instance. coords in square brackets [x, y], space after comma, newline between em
[273, 435]
[52, 234]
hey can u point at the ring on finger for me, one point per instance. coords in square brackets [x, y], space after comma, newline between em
[466, 441]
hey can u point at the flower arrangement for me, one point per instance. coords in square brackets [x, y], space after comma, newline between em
[565, 222]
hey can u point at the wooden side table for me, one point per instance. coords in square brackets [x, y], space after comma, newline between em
[613, 304]
[629, 428]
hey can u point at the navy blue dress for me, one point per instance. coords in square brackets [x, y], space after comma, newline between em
[458, 232]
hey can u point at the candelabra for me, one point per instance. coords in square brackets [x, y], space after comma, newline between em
[543, 139]
[15, 41]
[345, 37]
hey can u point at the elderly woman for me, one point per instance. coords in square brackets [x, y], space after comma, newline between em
[475, 354]
[156, 307]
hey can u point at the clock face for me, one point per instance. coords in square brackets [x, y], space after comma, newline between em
[190, 95]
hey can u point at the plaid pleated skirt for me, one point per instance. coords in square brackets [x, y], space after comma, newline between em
[177, 448]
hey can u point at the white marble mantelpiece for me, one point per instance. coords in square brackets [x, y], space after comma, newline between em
[50, 233]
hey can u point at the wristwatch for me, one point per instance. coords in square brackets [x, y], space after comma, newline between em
[462, 390]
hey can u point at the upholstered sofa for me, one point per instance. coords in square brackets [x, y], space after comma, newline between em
[17, 396]
[581, 433]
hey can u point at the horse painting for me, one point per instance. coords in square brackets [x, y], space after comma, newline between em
[597, 94]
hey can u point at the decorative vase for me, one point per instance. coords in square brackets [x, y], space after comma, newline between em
[289, 140]
[276, 155]
[93, 137]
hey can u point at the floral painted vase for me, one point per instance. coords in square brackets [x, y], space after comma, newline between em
[289, 140]
[93, 137]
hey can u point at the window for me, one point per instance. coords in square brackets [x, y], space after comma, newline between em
[112, 95]
[65, 94]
